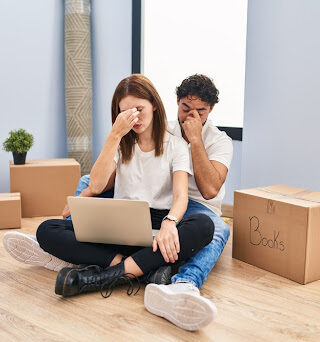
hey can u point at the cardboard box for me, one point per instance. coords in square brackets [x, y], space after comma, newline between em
[277, 228]
[10, 210]
[44, 185]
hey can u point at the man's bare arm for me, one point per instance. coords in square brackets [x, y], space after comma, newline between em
[209, 174]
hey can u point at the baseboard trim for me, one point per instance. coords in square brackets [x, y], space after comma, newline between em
[227, 210]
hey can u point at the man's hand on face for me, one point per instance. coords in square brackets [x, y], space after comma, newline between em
[192, 126]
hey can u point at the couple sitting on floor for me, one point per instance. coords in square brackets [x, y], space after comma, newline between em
[179, 168]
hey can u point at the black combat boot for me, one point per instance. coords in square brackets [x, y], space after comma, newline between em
[92, 278]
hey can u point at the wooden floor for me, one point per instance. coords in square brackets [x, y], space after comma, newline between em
[254, 305]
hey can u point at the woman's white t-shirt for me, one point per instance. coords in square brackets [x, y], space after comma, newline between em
[149, 178]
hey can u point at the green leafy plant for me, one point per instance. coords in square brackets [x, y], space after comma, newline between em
[19, 141]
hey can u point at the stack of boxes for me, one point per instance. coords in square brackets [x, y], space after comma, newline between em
[38, 188]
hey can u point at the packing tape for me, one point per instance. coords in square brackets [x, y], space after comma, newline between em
[296, 196]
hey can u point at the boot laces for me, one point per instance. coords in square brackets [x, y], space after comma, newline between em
[94, 281]
[110, 284]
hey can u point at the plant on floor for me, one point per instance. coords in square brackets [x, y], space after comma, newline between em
[19, 143]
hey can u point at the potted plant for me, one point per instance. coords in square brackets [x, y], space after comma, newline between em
[19, 143]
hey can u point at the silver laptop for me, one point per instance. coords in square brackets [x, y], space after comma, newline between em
[113, 221]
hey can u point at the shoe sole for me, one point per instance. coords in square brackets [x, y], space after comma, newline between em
[24, 249]
[186, 310]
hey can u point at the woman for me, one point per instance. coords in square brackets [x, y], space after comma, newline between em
[149, 164]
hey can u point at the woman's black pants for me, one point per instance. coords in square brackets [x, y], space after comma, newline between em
[57, 237]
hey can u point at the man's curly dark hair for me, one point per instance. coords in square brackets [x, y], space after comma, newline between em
[201, 86]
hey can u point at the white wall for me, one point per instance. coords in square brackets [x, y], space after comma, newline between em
[282, 117]
[111, 46]
[233, 181]
[32, 72]
[31, 78]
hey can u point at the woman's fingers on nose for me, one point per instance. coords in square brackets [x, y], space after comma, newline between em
[130, 111]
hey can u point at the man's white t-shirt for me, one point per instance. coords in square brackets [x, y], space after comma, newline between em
[149, 178]
[218, 147]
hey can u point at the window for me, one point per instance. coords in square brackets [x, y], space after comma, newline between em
[183, 37]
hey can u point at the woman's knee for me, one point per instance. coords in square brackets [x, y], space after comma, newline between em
[198, 227]
[205, 226]
[43, 231]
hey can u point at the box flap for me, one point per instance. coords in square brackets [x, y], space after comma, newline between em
[287, 194]
[46, 162]
[312, 196]
[10, 196]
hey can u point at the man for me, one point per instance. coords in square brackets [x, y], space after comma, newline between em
[211, 153]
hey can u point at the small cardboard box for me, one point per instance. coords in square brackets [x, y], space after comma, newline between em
[10, 210]
[277, 228]
[44, 185]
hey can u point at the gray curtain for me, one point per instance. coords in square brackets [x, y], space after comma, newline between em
[78, 82]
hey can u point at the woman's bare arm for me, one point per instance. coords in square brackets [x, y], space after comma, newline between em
[168, 239]
[105, 165]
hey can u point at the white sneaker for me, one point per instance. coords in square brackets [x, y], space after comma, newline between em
[25, 248]
[181, 304]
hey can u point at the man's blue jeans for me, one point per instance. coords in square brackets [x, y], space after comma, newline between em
[196, 269]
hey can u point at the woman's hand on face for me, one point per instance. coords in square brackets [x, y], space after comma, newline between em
[125, 121]
[168, 241]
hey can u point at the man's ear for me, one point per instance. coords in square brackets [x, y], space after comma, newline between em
[178, 100]
[210, 110]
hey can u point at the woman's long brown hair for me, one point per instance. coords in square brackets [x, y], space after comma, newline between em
[140, 86]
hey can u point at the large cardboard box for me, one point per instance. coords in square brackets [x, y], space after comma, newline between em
[44, 185]
[277, 228]
[10, 210]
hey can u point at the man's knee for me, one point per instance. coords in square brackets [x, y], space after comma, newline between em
[226, 229]
[222, 230]
[82, 184]
[84, 180]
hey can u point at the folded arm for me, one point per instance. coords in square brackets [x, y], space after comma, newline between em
[209, 174]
